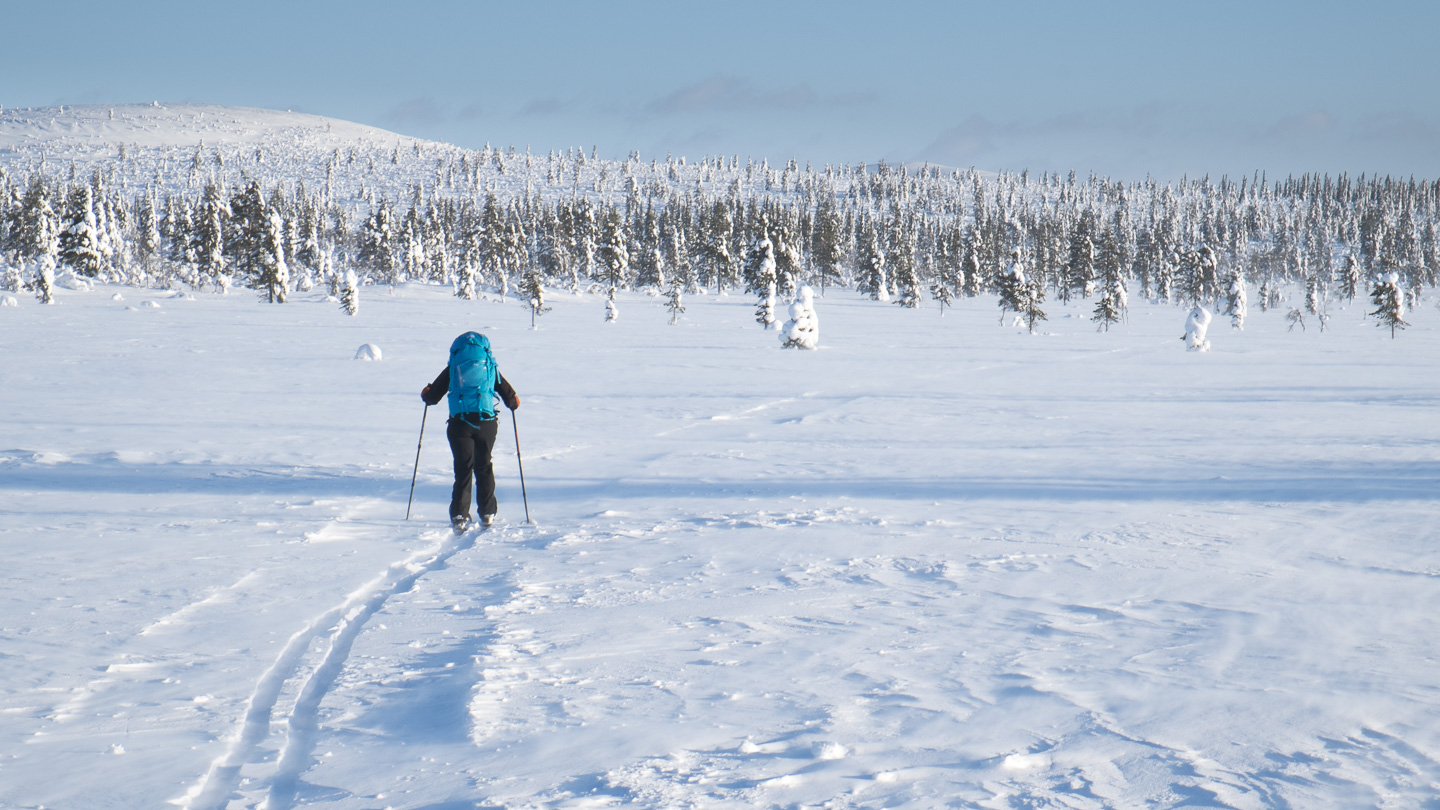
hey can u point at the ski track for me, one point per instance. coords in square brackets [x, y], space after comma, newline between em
[343, 624]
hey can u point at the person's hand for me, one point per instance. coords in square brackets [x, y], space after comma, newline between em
[514, 402]
[425, 394]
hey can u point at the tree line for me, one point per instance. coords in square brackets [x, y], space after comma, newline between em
[494, 221]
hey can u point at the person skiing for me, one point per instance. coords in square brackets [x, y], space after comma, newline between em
[471, 380]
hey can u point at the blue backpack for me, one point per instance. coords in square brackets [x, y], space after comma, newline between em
[472, 376]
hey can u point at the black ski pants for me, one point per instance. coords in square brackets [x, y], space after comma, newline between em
[471, 445]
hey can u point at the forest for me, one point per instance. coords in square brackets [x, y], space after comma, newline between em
[505, 223]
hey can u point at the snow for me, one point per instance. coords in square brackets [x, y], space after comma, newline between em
[939, 562]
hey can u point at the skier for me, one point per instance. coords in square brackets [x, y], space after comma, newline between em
[471, 381]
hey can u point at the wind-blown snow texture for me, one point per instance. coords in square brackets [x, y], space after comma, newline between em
[936, 562]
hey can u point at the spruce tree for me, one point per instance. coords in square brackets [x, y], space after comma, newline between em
[207, 246]
[872, 264]
[534, 289]
[1235, 300]
[1389, 301]
[675, 302]
[1111, 306]
[376, 249]
[612, 310]
[349, 292]
[614, 254]
[760, 277]
[274, 272]
[80, 239]
[827, 248]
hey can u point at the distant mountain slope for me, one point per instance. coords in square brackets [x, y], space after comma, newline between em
[181, 147]
[83, 131]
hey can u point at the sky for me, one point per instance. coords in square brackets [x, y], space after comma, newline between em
[1122, 89]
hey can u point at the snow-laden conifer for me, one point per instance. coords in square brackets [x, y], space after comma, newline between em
[1389, 301]
[349, 292]
[1235, 300]
[1197, 324]
[675, 303]
[802, 330]
[533, 288]
[1111, 306]
[80, 239]
[760, 277]
[612, 310]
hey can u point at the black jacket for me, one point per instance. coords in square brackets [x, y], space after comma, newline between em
[436, 391]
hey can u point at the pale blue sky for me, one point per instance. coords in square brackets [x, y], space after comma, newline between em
[1118, 88]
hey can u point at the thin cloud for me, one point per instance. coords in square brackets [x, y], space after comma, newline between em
[963, 143]
[427, 112]
[423, 111]
[731, 94]
[543, 107]
[1300, 125]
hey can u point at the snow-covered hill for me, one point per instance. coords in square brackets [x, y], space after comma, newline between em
[176, 147]
[96, 131]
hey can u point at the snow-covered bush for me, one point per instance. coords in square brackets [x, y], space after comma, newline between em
[676, 305]
[1196, 325]
[802, 331]
[612, 312]
[368, 352]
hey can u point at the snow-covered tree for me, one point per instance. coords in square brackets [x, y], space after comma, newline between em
[1296, 317]
[941, 291]
[674, 302]
[1389, 301]
[44, 261]
[349, 292]
[1012, 286]
[376, 245]
[1197, 323]
[614, 254]
[872, 265]
[80, 239]
[533, 288]
[802, 330]
[827, 245]
[760, 278]
[1111, 306]
[612, 310]
[208, 245]
[1350, 278]
[1235, 300]
[274, 271]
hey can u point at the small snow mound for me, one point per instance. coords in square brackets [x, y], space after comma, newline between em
[368, 351]
[9, 301]
[117, 749]
[828, 750]
[1026, 762]
[749, 747]
[71, 281]
[151, 304]
[117, 297]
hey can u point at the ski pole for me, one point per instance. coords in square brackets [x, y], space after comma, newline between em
[413, 475]
[523, 496]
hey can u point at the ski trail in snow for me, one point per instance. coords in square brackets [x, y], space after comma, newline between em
[216, 596]
[344, 623]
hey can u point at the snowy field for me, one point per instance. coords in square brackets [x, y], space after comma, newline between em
[938, 562]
